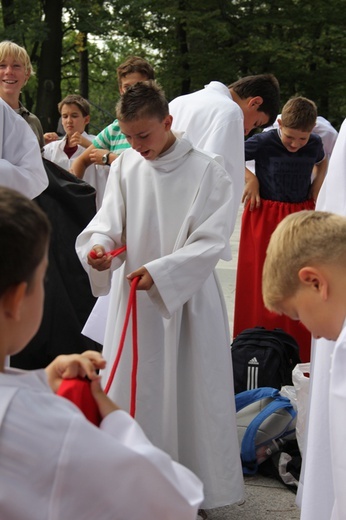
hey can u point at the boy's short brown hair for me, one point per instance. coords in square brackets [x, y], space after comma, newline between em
[144, 99]
[305, 238]
[264, 85]
[75, 99]
[18, 53]
[135, 64]
[299, 113]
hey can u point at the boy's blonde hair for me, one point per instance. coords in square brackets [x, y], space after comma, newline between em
[76, 99]
[18, 53]
[305, 238]
[144, 99]
[299, 113]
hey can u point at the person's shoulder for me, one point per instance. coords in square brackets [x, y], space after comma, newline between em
[263, 138]
[315, 139]
[114, 126]
[211, 160]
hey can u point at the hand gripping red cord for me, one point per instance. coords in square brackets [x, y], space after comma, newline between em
[114, 252]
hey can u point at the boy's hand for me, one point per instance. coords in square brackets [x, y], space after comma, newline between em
[145, 282]
[102, 262]
[96, 155]
[74, 365]
[104, 403]
[49, 137]
[78, 139]
[251, 193]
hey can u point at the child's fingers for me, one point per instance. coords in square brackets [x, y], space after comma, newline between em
[95, 357]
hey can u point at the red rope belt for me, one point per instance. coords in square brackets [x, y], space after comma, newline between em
[78, 390]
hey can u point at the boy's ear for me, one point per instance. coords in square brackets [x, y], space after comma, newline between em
[315, 279]
[86, 120]
[255, 102]
[12, 301]
[168, 122]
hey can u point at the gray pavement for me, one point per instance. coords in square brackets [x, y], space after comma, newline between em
[265, 498]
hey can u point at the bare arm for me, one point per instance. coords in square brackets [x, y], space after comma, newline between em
[251, 190]
[319, 173]
[96, 155]
[81, 163]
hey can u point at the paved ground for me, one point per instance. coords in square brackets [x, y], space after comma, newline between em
[265, 498]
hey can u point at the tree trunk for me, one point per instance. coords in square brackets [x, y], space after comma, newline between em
[8, 15]
[84, 67]
[49, 67]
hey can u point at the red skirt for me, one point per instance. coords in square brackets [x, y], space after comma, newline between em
[256, 229]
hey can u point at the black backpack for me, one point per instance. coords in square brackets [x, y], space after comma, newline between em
[263, 357]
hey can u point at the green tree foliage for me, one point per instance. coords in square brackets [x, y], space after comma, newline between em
[189, 44]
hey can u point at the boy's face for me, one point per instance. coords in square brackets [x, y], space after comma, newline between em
[149, 136]
[73, 120]
[293, 139]
[253, 118]
[13, 77]
[131, 79]
[313, 306]
[31, 308]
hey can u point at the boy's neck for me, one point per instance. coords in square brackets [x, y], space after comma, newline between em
[12, 101]
[170, 141]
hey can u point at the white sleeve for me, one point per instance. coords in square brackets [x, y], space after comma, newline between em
[21, 163]
[118, 474]
[105, 229]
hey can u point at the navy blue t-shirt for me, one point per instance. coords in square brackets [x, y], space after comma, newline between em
[283, 176]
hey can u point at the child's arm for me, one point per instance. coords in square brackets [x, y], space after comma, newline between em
[80, 164]
[251, 190]
[96, 155]
[319, 173]
[74, 365]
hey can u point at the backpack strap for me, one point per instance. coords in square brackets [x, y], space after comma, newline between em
[248, 448]
[252, 396]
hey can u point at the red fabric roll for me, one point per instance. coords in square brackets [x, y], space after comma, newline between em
[78, 391]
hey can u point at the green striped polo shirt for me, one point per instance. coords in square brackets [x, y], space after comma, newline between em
[111, 139]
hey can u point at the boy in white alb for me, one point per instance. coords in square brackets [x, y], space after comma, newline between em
[169, 204]
[304, 277]
[75, 115]
[60, 465]
[217, 117]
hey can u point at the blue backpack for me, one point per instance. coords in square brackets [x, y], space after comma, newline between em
[265, 420]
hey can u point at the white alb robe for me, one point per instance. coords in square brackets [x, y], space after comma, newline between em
[317, 488]
[21, 166]
[55, 464]
[95, 175]
[214, 123]
[173, 215]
